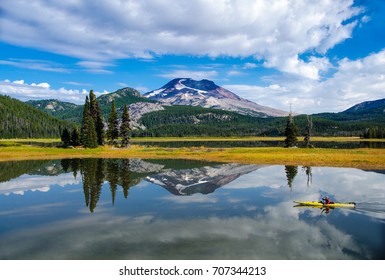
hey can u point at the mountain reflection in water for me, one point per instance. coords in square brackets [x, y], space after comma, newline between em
[177, 209]
[203, 179]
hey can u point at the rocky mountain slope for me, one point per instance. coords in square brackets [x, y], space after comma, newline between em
[207, 94]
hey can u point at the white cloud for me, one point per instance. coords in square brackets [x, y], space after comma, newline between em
[96, 66]
[34, 91]
[19, 82]
[353, 82]
[35, 64]
[250, 65]
[276, 32]
[197, 75]
[76, 83]
[235, 73]
[43, 85]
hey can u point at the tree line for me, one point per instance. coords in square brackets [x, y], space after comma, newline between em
[92, 132]
[374, 132]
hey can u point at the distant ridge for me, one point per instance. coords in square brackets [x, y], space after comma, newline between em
[367, 105]
[53, 107]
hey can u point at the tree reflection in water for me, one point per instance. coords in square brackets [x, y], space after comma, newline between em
[291, 172]
[95, 171]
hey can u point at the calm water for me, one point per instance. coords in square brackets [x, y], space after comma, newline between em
[152, 209]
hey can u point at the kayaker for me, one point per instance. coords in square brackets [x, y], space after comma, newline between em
[326, 200]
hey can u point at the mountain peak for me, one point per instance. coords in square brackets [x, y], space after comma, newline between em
[185, 86]
[204, 85]
[122, 96]
[205, 93]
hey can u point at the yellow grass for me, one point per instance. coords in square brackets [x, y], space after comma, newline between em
[358, 158]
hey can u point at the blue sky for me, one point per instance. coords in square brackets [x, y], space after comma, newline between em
[322, 56]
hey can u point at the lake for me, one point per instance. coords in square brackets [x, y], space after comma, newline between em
[178, 209]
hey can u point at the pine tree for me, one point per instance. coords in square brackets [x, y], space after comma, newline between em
[291, 132]
[88, 133]
[85, 124]
[125, 127]
[113, 125]
[92, 139]
[97, 115]
[75, 138]
[65, 137]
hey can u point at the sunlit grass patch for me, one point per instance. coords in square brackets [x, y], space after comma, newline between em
[361, 158]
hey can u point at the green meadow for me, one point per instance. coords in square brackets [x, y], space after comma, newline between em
[365, 158]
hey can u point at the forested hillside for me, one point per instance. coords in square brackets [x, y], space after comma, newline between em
[74, 113]
[198, 121]
[20, 120]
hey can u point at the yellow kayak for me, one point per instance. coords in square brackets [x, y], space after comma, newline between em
[320, 204]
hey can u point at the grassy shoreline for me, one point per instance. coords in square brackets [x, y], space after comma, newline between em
[356, 158]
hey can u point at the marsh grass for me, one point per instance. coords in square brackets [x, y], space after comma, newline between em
[358, 158]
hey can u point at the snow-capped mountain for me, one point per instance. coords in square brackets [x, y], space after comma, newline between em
[202, 180]
[207, 94]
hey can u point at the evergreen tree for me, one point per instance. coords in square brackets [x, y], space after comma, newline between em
[75, 138]
[92, 138]
[97, 115]
[113, 125]
[65, 137]
[85, 124]
[125, 127]
[291, 132]
[88, 132]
